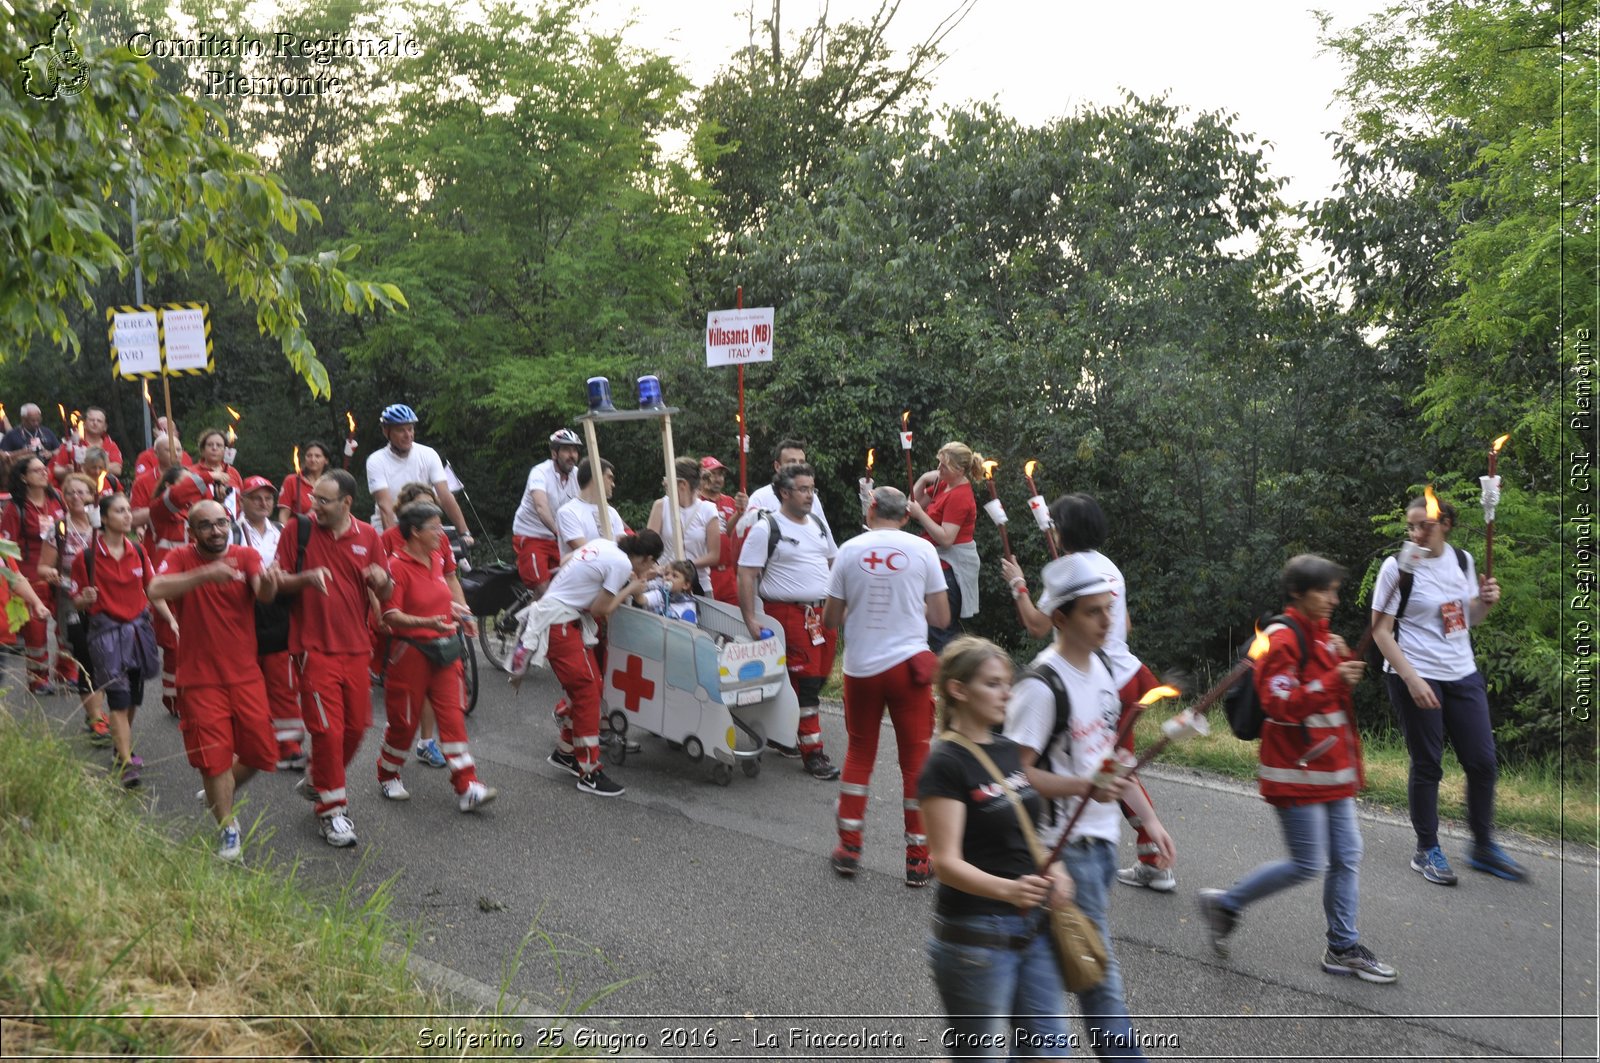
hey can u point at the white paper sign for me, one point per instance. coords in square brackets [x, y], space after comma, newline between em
[138, 345]
[736, 337]
[186, 339]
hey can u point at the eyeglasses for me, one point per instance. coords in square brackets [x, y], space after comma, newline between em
[318, 500]
[209, 525]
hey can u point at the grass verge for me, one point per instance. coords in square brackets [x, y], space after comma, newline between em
[1528, 797]
[116, 940]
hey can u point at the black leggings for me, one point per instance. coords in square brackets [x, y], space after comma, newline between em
[940, 637]
[121, 699]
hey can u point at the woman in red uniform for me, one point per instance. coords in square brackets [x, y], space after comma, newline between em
[425, 660]
[111, 577]
[213, 465]
[946, 510]
[29, 520]
[74, 532]
[295, 497]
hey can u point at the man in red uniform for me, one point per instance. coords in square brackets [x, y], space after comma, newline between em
[222, 700]
[328, 636]
[725, 573]
[166, 497]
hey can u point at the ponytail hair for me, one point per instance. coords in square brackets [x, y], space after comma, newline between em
[643, 543]
[964, 458]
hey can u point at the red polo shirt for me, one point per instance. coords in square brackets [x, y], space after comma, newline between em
[147, 461]
[218, 620]
[120, 581]
[62, 462]
[295, 496]
[335, 622]
[419, 591]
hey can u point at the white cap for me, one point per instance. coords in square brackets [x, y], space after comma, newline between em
[1066, 579]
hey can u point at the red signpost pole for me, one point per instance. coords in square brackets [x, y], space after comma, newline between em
[738, 304]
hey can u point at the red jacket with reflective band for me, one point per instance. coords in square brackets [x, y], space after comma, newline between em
[1305, 702]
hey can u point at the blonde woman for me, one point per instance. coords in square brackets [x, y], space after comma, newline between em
[989, 945]
[945, 507]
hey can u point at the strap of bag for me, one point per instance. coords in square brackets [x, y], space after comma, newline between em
[1040, 860]
[1408, 578]
[302, 537]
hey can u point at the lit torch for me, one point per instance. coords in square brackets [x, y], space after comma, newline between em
[996, 511]
[349, 438]
[905, 445]
[5, 422]
[79, 449]
[229, 453]
[1490, 499]
[866, 482]
[65, 424]
[1040, 511]
[1117, 764]
[299, 482]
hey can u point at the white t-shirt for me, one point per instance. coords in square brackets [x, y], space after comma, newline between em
[699, 520]
[765, 499]
[579, 519]
[884, 577]
[798, 571]
[1434, 632]
[543, 477]
[264, 543]
[387, 470]
[1096, 709]
[593, 567]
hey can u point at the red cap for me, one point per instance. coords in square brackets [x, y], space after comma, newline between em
[256, 483]
[708, 462]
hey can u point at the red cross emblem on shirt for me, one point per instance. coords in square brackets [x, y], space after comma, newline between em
[631, 681]
[872, 561]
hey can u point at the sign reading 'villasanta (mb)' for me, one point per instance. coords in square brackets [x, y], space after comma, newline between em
[735, 337]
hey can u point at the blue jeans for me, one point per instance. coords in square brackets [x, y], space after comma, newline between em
[990, 993]
[1322, 838]
[1092, 863]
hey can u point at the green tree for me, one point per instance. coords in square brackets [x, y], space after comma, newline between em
[204, 203]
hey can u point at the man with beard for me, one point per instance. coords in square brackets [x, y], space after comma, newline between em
[551, 485]
[222, 702]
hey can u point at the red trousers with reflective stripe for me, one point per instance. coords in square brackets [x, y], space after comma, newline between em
[575, 669]
[910, 708]
[167, 639]
[1143, 681]
[809, 666]
[336, 697]
[283, 702]
[410, 680]
[536, 559]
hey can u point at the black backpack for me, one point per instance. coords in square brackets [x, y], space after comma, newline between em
[773, 535]
[1063, 721]
[1374, 655]
[272, 618]
[1241, 702]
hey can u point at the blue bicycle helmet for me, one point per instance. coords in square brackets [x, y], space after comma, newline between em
[399, 413]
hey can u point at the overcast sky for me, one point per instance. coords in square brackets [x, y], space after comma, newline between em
[1040, 60]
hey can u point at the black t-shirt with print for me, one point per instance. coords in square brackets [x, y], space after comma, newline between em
[992, 840]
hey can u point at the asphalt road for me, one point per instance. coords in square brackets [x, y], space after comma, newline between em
[684, 913]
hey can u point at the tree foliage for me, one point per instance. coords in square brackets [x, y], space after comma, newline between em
[204, 203]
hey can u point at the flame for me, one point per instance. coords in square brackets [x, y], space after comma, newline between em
[3, 412]
[297, 461]
[872, 455]
[100, 485]
[1029, 467]
[1432, 502]
[1157, 694]
[232, 412]
[905, 421]
[1258, 646]
[989, 467]
[76, 419]
[1494, 448]
[147, 391]
[62, 410]
[233, 437]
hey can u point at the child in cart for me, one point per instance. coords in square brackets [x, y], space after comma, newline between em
[668, 594]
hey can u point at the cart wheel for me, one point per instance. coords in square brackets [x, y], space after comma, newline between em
[721, 774]
[619, 722]
[469, 679]
[751, 767]
[693, 749]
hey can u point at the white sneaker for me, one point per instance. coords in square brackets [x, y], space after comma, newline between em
[338, 831]
[231, 848]
[1160, 879]
[394, 789]
[476, 797]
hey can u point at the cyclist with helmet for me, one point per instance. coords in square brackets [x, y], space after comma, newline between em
[406, 461]
[551, 485]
